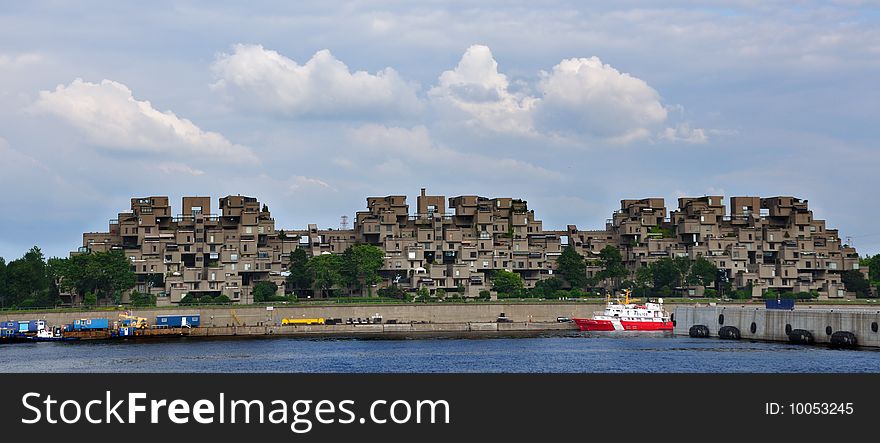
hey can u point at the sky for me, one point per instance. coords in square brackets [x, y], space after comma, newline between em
[313, 106]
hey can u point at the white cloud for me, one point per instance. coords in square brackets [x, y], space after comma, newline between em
[109, 116]
[584, 95]
[179, 168]
[14, 61]
[477, 89]
[323, 86]
[683, 133]
[407, 148]
[301, 182]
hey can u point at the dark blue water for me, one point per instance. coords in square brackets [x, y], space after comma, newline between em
[573, 353]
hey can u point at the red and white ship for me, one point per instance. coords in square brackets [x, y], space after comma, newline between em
[628, 316]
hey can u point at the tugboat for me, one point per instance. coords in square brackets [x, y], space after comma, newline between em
[46, 334]
[627, 316]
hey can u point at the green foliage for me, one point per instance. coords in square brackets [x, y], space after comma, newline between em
[440, 293]
[392, 291]
[661, 232]
[873, 265]
[484, 295]
[461, 289]
[711, 293]
[664, 273]
[300, 279]
[856, 282]
[702, 272]
[101, 273]
[572, 268]
[683, 268]
[423, 295]
[90, 300]
[138, 299]
[507, 282]
[360, 266]
[612, 265]
[547, 288]
[264, 291]
[325, 272]
[187, 300]
[222, 299]
[27, 279]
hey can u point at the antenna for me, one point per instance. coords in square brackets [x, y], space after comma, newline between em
[343, 222]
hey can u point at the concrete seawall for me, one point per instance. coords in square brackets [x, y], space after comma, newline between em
[403, 313]
[774, 325]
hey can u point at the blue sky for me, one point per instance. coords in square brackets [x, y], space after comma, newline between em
[312, 107]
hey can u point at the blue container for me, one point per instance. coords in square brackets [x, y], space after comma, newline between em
[178, 321]
[785, 303]
[91, 324]
[9, 325]
[30, 325]
[6, 333]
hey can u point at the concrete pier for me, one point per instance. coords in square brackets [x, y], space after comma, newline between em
[758, 323]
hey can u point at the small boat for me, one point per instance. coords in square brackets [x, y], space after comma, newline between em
[627, 316]
[48, 335]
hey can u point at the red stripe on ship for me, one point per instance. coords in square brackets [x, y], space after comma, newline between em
[588, 324]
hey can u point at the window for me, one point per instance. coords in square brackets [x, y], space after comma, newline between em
[485, 263]
[249, 230]
[233, 257]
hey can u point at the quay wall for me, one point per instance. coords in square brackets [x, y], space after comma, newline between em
[773, 324]
[403, 313]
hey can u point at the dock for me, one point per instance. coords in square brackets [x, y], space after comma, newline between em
[844, 327]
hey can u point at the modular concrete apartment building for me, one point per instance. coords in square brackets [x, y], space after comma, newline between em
[766, 242]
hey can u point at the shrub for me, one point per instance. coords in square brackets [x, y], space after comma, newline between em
[485, 295]
[222, 299]
[711, 293]
[90, 300]
[392, 291]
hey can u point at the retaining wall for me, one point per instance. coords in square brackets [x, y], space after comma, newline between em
[774, 324]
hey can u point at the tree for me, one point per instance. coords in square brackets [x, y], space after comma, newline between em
[644, 279]
[703, 272]
[139, 299]
[27, 278]
[873, 265]
[104, 274]
[360, 266]
[547, 288]
[855, 281]
[222, 300]
[664, 272]
[300, 278]
[3, 285]
[325, 272]
[612, 265]
[507, 282]
[683, 268]
[90, 300]
[572, 268]
[264, 291]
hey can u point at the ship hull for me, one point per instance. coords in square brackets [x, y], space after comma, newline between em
[589, 324]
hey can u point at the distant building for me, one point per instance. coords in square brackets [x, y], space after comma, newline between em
[457, 243]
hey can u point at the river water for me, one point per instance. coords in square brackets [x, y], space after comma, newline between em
[574, 352]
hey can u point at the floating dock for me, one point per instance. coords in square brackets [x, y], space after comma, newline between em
[804, 325]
